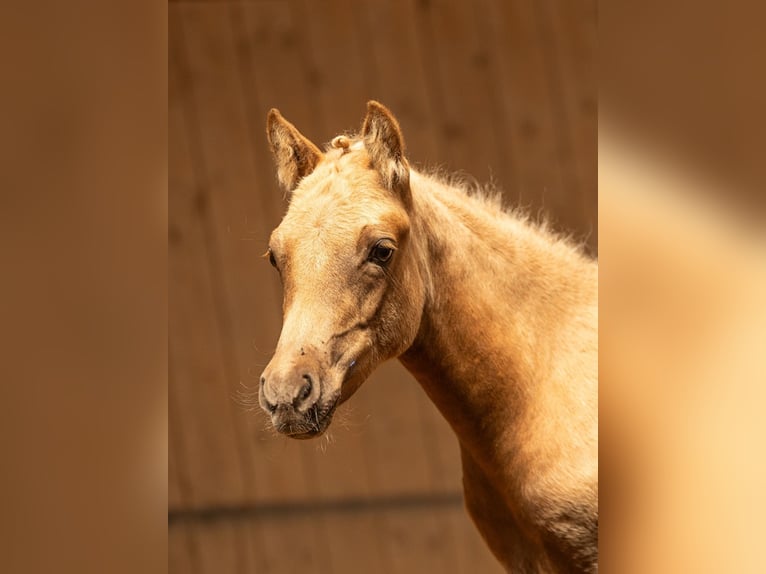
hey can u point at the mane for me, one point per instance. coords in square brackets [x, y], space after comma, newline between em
[490, 200]
[486, 197]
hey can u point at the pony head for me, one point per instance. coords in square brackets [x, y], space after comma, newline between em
[352, 282]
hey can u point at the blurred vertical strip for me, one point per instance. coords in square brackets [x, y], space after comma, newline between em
[682, 183]
[83, 286]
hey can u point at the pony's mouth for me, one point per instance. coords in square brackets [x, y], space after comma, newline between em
[312, 424]
[315, 421]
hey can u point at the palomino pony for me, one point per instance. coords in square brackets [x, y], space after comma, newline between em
[496, 318]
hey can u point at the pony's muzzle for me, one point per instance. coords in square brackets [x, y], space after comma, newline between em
[299, 402]
[289, 390]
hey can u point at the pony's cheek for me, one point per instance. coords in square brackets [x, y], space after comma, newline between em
[401, 320]
[359, 360]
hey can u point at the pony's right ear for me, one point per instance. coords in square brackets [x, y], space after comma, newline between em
[295, 155]
[385, 144]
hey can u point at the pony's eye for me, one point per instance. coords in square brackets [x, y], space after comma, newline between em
[271, 258]
[381, 253]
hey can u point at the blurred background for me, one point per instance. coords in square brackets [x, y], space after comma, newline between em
[502, 90]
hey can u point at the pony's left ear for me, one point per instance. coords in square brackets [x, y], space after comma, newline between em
[385, 145]
[296, 156]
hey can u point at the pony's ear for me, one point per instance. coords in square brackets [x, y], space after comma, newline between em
[296, 156]
[385, 145]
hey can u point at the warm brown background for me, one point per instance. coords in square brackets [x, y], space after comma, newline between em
[503, 90]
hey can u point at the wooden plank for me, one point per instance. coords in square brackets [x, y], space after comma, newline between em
[473, 555]
[181, 559]
[431, 538]
[398, 458]
[420, 540]
[217, 547]
[288, 543]
[197, 380]
[178, 472]
[211, 545]
[276, 72]
[354, 543]
[443, 452]
[241, 233]
[337, 73]
[399, 82]
[521, 77]
[576, 21]
[461, 90]
[569, 32]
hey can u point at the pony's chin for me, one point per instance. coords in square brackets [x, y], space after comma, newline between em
[307, 435]
[310, 427]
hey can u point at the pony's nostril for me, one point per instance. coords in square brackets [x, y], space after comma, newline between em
[305, 389]
[271, 407]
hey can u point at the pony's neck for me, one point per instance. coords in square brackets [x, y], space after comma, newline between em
[496, 287]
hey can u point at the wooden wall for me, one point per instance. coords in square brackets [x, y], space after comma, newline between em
[501, 89]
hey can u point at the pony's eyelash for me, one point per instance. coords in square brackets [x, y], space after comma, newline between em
[270, 254]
